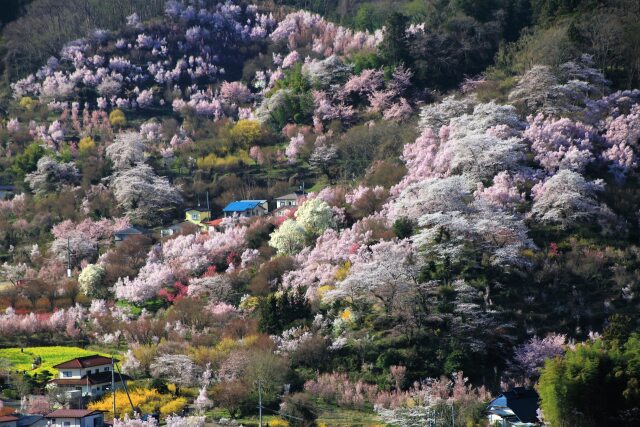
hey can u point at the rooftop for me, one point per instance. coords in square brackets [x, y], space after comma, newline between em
[290, 196]
[29, 420]
[8, 418]
[72, 413]
[84, 362]
[521, 401]
[130, 230]
[242, 205]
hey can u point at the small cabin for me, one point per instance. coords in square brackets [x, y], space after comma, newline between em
[184, 227]
[288, 200]
[88, 376]
[75, 418]
[516, 407]
[246, 208]
[122, 235]
[197, 215]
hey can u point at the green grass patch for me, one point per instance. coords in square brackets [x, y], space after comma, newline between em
[22, 360]
[329, 416]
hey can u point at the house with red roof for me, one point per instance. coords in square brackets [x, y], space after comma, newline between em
[75, 418]
[88, 376]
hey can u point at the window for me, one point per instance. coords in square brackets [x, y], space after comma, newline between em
[67, 423]
[106, 369]
[194, 216]
[67, 374]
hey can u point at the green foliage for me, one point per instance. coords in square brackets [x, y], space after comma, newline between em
[27, 161]
[369, 17]
[394, 49]
[294, 80]
[300, 409]
[279, 311]
[592, 385]
[403, 227]
[296, 108]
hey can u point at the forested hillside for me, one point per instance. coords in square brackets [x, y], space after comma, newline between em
[353, 212]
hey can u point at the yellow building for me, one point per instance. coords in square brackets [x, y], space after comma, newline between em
[198, 216]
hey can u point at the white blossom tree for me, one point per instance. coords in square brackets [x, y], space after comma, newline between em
[50, 175]
[126, 151]
[566, 199]
[143, 194]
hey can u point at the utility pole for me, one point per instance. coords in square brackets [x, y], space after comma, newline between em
[260, 400]
[113, 386]
[68, 257]
[453, 416]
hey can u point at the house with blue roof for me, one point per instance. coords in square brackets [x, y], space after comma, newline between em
[246, 208]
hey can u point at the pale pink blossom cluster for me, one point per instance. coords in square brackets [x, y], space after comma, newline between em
[530, 356]
[561, 143]
[235, 93]
[291, 59]
[64, 322]
[125, 80]
[255, 152]
[304, 29]
[503, 193]
[622, 135]
[13, 125]
[181, 258]
[293, 149]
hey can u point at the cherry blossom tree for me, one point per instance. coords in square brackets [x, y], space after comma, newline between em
[561, 143]
[142, 193]
[530, 356]
[385, 273]
[566, 199]
[126, 151]
[50, 175]
[293, 149]
[178, 369]
[498, 235]
[151, 279]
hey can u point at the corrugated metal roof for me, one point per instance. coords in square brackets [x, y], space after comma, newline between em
[242, 205]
